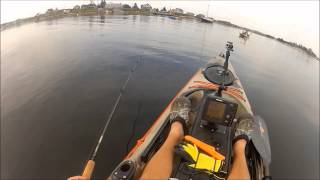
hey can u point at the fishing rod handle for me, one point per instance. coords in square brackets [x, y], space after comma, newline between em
[87, 172]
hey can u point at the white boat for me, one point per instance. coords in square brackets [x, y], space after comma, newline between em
[207, 19]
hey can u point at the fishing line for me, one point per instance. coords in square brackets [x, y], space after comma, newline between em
[133, 130]
[134, 126]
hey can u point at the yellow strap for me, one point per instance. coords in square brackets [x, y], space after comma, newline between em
[217, 166]
[192, 150]
[208, 163]
[203, 161]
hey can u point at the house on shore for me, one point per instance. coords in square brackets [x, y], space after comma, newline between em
[49, 11]
[163, 12]
[67, 11]
[200, 16]
[113, 5]
[89, 6]
[176, 11]
[190, 14]
[76, 7]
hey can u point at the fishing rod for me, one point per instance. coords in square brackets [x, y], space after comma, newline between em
[87, 172]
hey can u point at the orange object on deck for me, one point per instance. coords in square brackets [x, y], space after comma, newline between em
[210, 150]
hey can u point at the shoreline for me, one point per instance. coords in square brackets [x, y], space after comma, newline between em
[58, 14]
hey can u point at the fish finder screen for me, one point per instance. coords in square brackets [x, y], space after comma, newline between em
[214, 111]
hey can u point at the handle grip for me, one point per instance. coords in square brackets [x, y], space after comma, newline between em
[87, 172]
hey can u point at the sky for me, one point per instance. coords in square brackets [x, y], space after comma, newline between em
[296, 21]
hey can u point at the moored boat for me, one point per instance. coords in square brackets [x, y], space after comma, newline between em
[218, 101]
[172, 17]
[244, 34]
[207, 19]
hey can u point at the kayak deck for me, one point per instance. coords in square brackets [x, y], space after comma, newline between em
[221, 138]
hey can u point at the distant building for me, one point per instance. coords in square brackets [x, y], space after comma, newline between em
[66, 11]
[118, 11]
[146, 7]
[49, 11]
[76, 7]
[88, 6]
[108, 11]
[113, 5]
[189, 14]
[200, 16]
[163, 12]
[177, 11]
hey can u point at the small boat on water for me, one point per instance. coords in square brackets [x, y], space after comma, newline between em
[207, 19]
[163, 13]
[172, 17]
[244, 34]
[218, 101]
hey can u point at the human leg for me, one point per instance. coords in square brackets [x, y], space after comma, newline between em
[160, 166]
[239, 169]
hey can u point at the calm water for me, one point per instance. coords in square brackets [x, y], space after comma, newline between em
[59, 80]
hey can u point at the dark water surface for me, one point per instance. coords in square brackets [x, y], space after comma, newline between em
[59, 80]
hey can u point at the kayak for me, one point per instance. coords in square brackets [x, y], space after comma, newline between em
[218, 100]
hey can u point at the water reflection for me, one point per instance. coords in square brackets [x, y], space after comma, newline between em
[91, 21]
[102, 19]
